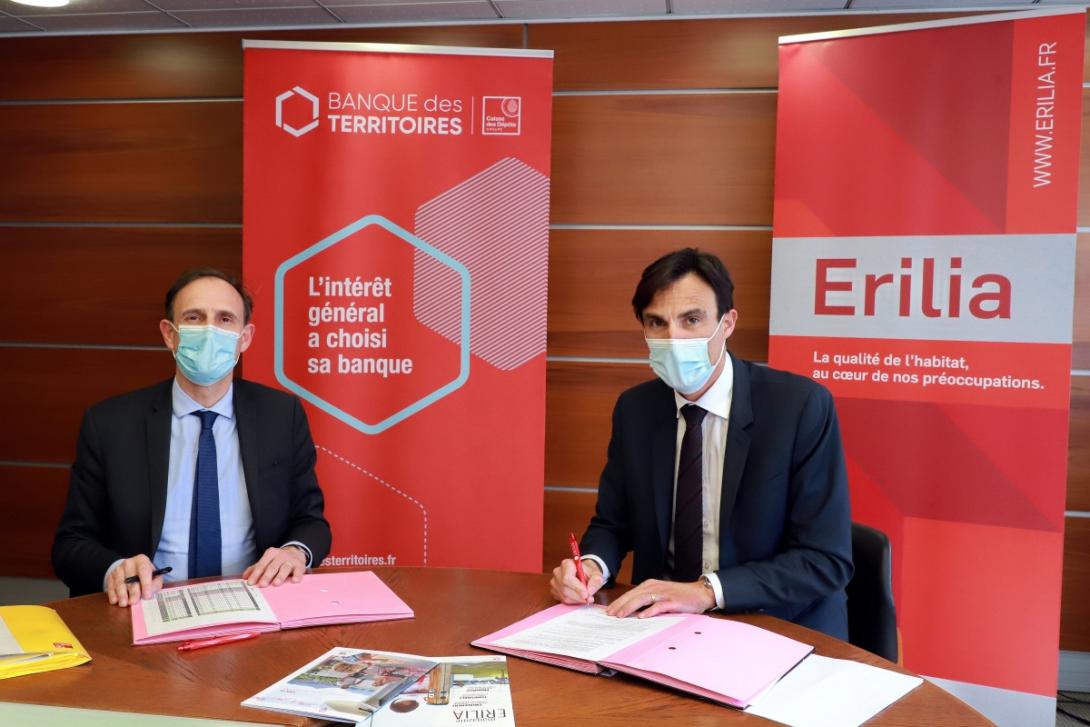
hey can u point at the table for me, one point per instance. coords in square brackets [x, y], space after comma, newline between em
[452, 608]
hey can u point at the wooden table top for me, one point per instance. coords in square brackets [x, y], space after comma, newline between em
[452, 608]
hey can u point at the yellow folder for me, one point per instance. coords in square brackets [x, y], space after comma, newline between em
[35, 639]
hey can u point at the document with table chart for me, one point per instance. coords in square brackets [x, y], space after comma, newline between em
[207, 604]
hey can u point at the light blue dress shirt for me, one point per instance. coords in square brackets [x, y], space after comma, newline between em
[236, 520]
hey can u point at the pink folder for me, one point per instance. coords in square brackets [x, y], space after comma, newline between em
[729, 662]
[319, 599]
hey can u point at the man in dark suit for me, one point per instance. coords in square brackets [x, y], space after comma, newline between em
[203, 473]
[726, 480]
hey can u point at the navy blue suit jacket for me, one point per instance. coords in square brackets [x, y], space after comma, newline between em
[118, 487]
[785, 520]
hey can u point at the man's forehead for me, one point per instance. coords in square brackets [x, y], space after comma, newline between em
[688, 292]
[209, 293]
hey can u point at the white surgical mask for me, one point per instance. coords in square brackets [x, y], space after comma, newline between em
[205, 354]
[682, 363]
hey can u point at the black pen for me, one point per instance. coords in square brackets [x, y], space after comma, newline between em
[154, 574]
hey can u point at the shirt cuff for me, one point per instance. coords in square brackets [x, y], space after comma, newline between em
[717, 589]
[601, 565]
[110, 570]
[306, 550]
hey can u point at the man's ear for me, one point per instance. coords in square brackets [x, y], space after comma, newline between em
[729, 322]
[246, 337]
[170, 336]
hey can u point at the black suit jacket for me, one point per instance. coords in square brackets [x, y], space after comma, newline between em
[785, 521]
[118, 486]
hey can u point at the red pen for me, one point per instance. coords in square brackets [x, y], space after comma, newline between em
[578, 560]
[204, 643]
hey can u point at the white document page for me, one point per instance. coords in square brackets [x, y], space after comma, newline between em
[586, 633]
[9, 646]
[207, 604]
[824, 692]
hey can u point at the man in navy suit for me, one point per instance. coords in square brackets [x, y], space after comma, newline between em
[203, 473]
[744, 509]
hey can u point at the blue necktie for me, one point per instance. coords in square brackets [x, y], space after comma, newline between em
[204, 528]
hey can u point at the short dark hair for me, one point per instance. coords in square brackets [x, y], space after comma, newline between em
[196, 274]
[673, 266]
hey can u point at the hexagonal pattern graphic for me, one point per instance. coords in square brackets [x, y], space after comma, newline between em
[458, 277]
[497, 224]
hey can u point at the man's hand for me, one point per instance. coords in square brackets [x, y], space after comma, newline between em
[276, 566]
[656, 597]
[126, 594]
[566, 586]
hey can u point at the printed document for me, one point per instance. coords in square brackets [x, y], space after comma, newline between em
[586, 633]
[206, 604]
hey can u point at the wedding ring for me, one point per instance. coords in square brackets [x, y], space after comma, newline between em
[654, 598]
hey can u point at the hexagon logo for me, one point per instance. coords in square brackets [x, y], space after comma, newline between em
[297, 111]
[337, 395]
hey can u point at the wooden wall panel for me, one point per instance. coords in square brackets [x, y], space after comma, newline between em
[180, 162]
[689, 53]
[593, 273]
[177, 65]
[1078, 447]
[692, 160]
[31, 499]
[101, 285]
[1075, 609]
[565, 513]
[579, 401]
[49, 388]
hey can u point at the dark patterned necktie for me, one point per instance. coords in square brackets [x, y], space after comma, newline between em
[689, 501]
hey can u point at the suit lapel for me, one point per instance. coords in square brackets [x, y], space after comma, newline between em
[246, 425]
[741, 416]
[157, 429]
[663, 454]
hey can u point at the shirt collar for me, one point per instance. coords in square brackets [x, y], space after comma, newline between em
[184, 405]
[717, 398]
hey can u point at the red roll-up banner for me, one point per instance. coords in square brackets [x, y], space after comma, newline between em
[923, 270]
[395, 238]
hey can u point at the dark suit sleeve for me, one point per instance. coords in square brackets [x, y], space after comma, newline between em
[609, 534]
[80, 558]
[814, 558]
[307, 524]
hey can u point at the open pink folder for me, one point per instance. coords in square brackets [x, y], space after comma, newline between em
[317, 600]
[726, 661]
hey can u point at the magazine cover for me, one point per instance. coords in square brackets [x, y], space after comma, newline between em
[346, 685]
[460, 690]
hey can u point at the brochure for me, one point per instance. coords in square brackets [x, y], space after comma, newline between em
[461, 690]
[344, 685]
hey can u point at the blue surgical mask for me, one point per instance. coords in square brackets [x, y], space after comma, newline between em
[205, 354]
[682, 363]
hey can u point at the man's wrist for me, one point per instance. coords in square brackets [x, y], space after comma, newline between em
[713, 588]
[301, 548]
[602, 569]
